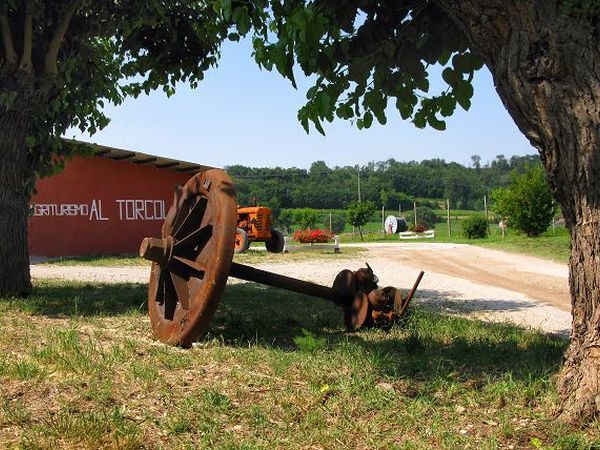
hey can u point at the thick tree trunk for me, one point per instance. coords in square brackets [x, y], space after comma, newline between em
[15, 189]
[546, 67]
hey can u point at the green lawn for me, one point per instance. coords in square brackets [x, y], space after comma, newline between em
[99, 260]
[253, 256]
[553, 244]
[78, 369]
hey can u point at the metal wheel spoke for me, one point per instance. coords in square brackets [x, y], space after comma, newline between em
[191, 222]
[170, 297]
[182, 210]
[181, 288]
[195, 268]
[157, 293]
[193, 243]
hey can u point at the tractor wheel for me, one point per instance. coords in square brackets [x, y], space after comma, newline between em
[241, 241]
[276, 243]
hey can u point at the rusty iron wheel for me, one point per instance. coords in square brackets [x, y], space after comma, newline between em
[191, 262]
[357, 313]
[241, 241]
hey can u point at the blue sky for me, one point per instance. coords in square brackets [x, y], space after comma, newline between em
[242, 115]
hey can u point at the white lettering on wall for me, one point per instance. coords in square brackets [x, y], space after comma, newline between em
[141, 209]
[96, 210]
[93, 210]
[135, 209]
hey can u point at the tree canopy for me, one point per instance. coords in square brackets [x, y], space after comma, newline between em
[367, 53]
[61, 61]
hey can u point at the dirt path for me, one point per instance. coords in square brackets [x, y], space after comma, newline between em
[460, 279]
[541, 280]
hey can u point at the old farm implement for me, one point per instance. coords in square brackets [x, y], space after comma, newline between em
[194, 257]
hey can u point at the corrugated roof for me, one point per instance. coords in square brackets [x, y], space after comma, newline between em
[134, 157]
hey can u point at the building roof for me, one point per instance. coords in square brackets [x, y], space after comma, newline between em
[134, 157]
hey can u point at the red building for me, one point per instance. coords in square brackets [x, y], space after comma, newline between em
[105, 203]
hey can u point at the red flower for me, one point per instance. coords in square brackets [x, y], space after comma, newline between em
[312, 236]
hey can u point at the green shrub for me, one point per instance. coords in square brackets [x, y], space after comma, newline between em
[338, 223]
[305, 218]
[475, 227]
[526, 203]
[426, 216]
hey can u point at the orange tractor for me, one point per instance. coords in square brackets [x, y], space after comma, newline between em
[254, 225]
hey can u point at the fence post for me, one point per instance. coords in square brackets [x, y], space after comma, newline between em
[415, 207]
[285, 244]
[448, 211]
[487, 219]
[336, 244]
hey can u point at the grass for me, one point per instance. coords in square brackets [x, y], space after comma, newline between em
[99, 260]
[252, 256]
[553, 244]
[78, 369]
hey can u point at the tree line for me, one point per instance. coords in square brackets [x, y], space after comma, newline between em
[390, 183]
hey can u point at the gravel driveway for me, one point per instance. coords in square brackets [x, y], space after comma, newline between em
[460, 279]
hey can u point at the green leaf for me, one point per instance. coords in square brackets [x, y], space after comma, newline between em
[435, 123]
[30, 141]
[450, 76]
[419, 120]
[368, 119]
[447, 105]
[463, 92]
[319, 127]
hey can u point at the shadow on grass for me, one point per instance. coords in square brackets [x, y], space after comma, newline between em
[425, 345]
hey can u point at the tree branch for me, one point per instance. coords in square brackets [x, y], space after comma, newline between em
[26, 64]
[51, 60]
[9, 46]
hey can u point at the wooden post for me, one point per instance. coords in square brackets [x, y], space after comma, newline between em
[448, 213]
[415, 207]
[487, 219]
[383, 219]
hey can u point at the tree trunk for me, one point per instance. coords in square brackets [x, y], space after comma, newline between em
[545, 65]
[15, 183]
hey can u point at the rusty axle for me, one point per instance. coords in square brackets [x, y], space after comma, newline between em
[291, 284]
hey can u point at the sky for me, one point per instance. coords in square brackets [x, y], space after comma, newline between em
[240, 114]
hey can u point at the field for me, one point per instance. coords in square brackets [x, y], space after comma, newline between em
[553, 244]
[277, 370]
